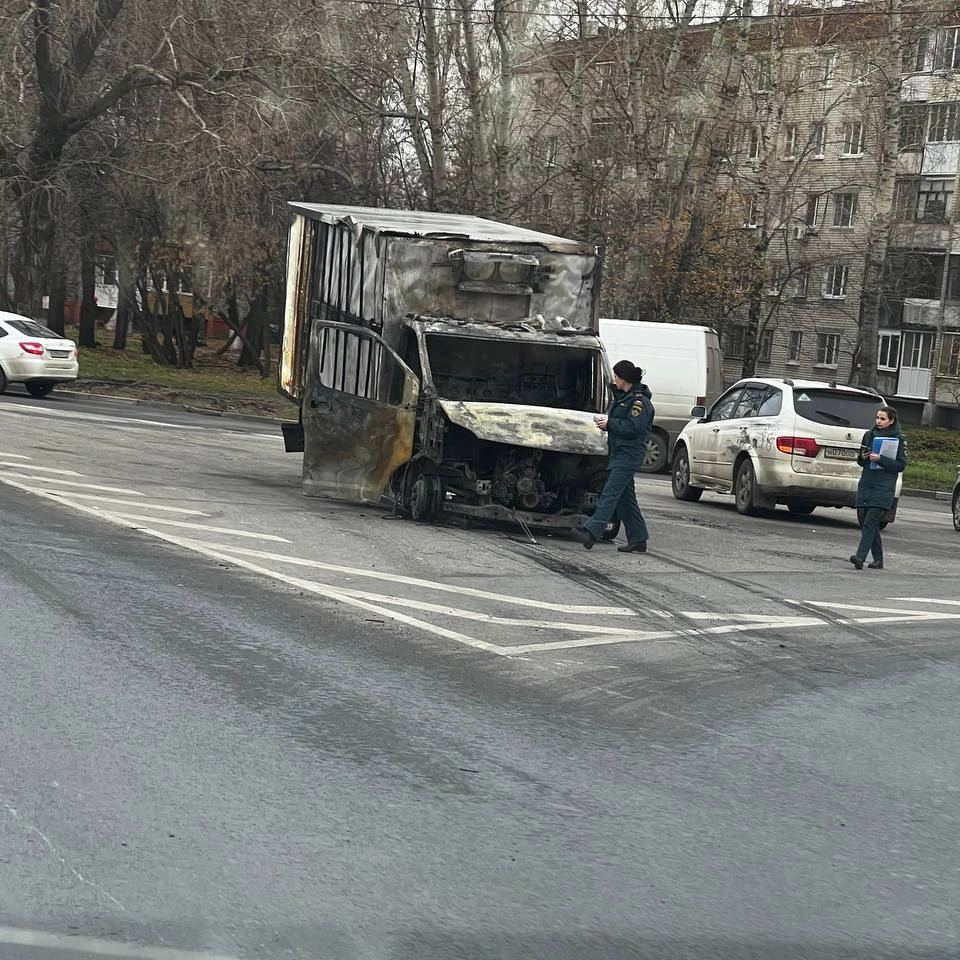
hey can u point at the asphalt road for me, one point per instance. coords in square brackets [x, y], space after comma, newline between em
[239, 723]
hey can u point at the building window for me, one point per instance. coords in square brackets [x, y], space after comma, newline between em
[950, 355]
[756, 140]
[905, 200]
[829, 71]
[543, 151]
[802, 282]
[935, 201]
[915, 54]
[944, 123]
[844, 209]
[835, 282]
[913, 125]
[765, 346]
[948, 49]
[602, 135]
[763, 74]
[816, 204]
[790, 141]
[828, 349]
[888, 351]
[794, 346]
[818, 140]
[606, 70]
[537, 85]
[853, 139]
[735, 340]
[751, 212]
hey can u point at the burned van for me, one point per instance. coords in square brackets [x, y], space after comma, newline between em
[451, 363]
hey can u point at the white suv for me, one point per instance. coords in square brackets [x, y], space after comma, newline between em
[770, 441]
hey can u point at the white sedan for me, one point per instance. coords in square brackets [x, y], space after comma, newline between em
[34, 355]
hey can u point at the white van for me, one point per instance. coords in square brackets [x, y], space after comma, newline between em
[682, 367]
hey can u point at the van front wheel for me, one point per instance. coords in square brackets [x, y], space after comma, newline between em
[654, 453]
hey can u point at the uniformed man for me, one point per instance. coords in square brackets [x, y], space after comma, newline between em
[626, 424]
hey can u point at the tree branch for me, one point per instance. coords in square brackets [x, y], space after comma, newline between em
[88, 41]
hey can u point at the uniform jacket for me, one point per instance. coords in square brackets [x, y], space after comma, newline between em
[628, 423]
[877, 488]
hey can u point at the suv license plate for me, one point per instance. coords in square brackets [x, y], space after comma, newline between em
[840, 453]
[59, 354]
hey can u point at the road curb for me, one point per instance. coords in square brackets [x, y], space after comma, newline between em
[926, 494]
[161, 404]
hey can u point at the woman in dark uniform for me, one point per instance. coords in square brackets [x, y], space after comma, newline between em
[626, 424]
[878, 484]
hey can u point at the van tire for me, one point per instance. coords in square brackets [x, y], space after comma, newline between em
[3, 381]
[654, 453]
[680, 478]
[426, 498]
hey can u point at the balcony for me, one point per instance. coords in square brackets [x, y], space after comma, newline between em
[924, 236]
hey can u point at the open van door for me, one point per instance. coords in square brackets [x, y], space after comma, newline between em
[359, 413]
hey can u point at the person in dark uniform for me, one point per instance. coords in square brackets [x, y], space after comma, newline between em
[878, 484]
[626, 424]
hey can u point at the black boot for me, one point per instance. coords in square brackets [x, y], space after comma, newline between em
[876, 565]
[638, 546]
[585, 537]
[856, 561]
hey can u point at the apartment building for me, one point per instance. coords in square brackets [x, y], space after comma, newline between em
[799, 187]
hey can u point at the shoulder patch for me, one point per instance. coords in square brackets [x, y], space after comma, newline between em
[637, 408]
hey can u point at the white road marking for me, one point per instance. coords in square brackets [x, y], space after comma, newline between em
[74, 415]
[432, 585]
[48, 481]
[307, 585]
[382, 605]
[948, 603]
[135, 422]
[142, 504]
[16, 456]
[888, 614]
[679, 634]
[186, 524]
[742, 621]
[34, 466]
[94, 946]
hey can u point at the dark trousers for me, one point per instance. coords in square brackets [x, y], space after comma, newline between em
[870, 534]
[619, 499]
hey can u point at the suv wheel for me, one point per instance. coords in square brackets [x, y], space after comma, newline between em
[745, 489]
[802, 507]
[680, 478]
[956, 510]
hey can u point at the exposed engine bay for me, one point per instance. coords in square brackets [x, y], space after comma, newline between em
[520, 478]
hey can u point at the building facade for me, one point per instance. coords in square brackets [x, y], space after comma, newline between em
[791, 165]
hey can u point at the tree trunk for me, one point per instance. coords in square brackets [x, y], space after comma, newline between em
[88, 302]
[725, 113]
[256, 321]
[56, 287]
[124, 302]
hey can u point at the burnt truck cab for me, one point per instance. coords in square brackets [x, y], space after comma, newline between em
[430, 368]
